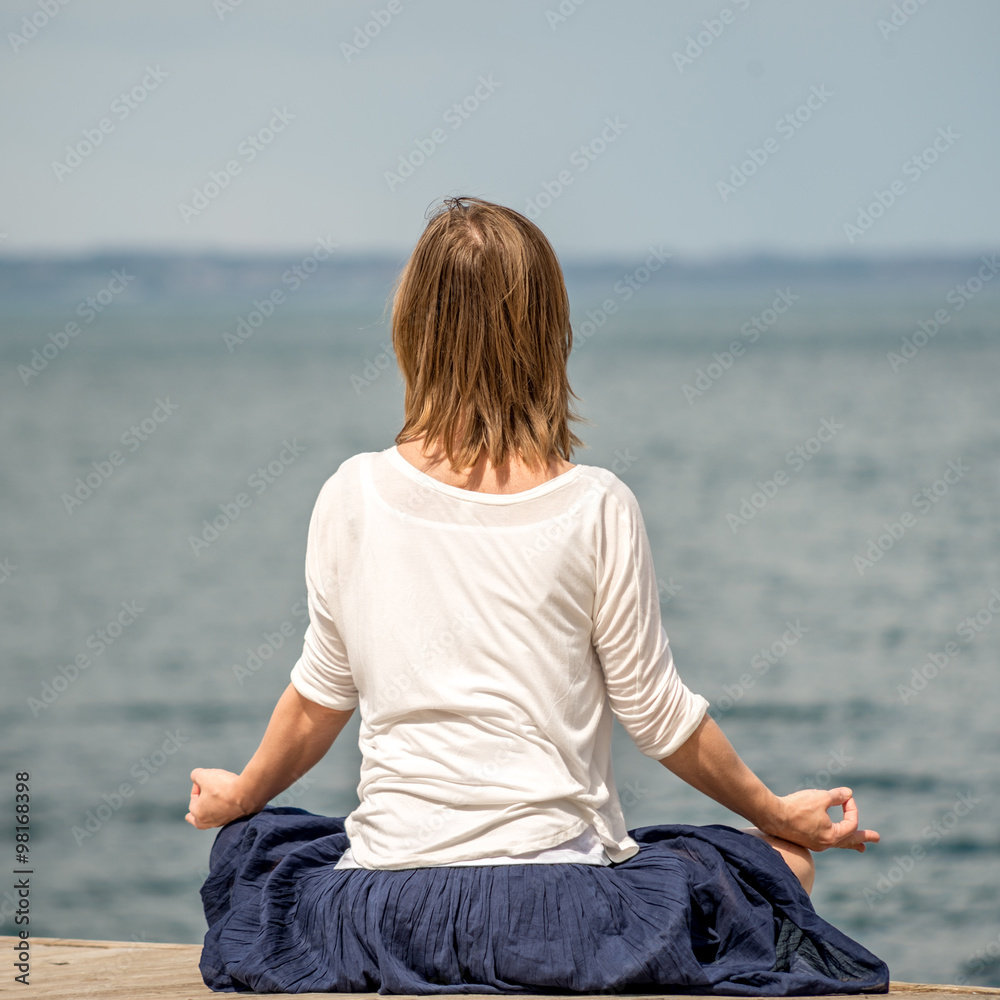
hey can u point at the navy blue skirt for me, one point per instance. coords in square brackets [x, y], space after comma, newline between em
[700, 909]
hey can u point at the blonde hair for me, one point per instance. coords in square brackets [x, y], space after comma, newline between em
[481, 332]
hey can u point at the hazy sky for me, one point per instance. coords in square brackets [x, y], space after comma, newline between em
[617, 120]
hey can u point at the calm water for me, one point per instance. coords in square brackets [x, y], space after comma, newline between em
[807, 654]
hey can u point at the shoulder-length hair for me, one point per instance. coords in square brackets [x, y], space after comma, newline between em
[481, 332]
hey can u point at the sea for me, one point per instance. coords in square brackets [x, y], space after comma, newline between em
[814, 446]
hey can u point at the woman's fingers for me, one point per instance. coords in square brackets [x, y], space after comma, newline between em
[840, 797]
[859, 838]
[193, 803]
[211, 802]
[198, 776]
[846, 830]
[839, 830]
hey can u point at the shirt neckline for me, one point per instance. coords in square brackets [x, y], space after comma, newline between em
[423, 478]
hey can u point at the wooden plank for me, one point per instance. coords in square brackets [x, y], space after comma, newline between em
[65, 969]
[927, 990]
[109, 970]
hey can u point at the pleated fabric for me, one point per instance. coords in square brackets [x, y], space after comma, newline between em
[700, 909]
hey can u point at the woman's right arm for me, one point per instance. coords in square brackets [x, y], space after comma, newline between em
[708, 762]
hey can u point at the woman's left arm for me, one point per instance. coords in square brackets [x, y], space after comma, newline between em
[297, 737]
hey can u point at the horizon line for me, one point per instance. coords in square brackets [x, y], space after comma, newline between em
[389, 255]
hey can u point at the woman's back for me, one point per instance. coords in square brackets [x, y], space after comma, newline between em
[490, 634]
[487, 638]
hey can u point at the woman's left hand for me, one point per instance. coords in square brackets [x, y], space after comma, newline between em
[215, 798]
[805, 820]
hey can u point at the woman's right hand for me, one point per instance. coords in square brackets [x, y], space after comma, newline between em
[803, 819]
[215, 798]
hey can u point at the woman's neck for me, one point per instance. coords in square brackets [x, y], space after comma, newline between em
[512, 477]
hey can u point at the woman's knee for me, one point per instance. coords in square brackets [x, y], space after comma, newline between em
[798, 858]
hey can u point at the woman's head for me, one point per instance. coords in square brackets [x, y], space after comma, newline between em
[481, 332]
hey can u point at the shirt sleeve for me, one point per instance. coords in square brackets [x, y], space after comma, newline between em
[323, 672]
[647, 695]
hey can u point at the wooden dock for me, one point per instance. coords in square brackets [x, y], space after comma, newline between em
[63, 969]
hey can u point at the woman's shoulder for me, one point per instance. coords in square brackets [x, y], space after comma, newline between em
[345, 480]
[606, 484]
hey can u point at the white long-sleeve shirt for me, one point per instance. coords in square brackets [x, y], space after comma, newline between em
[489, 640]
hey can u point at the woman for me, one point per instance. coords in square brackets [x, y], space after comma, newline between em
[491, 608]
